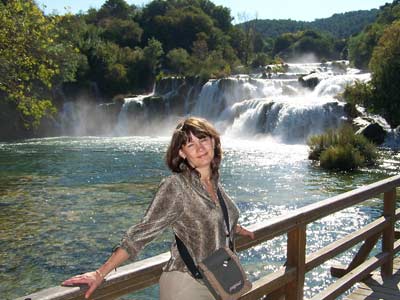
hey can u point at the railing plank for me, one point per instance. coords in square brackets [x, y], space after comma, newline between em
[270, 283]
[389, 211]
[310, 213]
[296, 253]
[131, 277]
[343, 284]
[317, 258]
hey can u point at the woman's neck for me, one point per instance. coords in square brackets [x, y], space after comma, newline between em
[205, 174]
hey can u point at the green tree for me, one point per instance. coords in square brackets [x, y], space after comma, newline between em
[260, 60]
[178, 60]
[385, 66]
[362, 45]
[116, 9]
[27, 57]
[152, 54]
[125, 33]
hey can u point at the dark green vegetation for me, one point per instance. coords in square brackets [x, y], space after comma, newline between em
[123, 49]
[342, 149]
[339, 25]
[378, 47]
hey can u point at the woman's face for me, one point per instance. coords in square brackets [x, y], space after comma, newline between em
[198, 152]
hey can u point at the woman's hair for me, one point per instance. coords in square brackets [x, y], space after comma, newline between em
[200, 128]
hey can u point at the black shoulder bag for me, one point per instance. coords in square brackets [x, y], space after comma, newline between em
[221, 271]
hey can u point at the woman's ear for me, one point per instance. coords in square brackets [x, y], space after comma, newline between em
[181, 154]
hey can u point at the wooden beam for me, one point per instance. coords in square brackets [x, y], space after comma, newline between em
[389, 210]
[318, 257]
[130, 278]
[358, 259]
[296, 256]
[270, 283]
[356, 275]
[364, 252]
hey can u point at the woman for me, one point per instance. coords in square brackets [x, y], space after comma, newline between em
[188, 202]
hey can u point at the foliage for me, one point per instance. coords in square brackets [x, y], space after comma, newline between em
[178, 61]
[125, 33]
[362, 45]
[385, 66]
[359, 93]
[291, 45]
[117, 9]
[31, 56]
[340, 26]
[342, 149]
[261, 60]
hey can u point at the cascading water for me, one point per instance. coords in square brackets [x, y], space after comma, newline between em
[279, 107]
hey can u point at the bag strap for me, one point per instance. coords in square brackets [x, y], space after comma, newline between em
[187, 258]
[224, 209]
[183, 251]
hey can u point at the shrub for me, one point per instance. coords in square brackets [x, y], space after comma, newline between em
[342, 149]
[341, 157]
[359, 93]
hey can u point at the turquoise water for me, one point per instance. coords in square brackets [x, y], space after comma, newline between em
[65, 202]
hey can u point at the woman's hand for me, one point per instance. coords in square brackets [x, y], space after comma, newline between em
[92, 279]
[240, 230]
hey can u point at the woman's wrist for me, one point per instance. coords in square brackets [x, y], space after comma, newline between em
[100, 274]
[239, 229]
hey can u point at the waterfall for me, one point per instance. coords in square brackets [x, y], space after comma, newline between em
[282, 107]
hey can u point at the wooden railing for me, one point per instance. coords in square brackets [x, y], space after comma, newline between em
[289, 280]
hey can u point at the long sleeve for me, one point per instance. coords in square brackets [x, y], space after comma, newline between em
[164, 210]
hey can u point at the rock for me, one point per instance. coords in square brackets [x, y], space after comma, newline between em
[371, 130]
[351, 111]
[309, 81]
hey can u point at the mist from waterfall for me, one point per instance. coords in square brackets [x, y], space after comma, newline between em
[250, 106]
[278, 106]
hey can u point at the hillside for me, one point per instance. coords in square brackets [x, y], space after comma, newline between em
[338, 25]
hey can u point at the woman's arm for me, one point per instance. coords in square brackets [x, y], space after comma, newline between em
[95, 278]
[164, 209]
[240, 230]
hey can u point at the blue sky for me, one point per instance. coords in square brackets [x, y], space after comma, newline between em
[304, 10]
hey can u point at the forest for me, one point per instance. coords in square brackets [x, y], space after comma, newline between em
[121, 49]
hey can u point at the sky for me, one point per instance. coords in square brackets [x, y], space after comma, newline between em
[242, 10]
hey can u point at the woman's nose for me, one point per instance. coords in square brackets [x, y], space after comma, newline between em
[199, 146]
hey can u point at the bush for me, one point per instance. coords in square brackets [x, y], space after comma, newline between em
[360, 93]
[341, 157]
[342, 149]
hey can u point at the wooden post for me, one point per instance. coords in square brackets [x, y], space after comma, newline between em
[389, 208]
[296, 256]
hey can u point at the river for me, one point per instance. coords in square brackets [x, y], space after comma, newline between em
[66, 201]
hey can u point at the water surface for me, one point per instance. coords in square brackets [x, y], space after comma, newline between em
[65, 202]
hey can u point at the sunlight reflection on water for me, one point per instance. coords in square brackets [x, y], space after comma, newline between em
[65, 202]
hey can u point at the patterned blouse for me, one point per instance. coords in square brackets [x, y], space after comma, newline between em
[182, 203]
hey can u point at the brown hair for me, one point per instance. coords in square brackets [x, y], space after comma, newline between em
[200, 128]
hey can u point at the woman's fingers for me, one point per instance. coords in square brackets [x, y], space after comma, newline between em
[75, 281]
[90, 290]
[86, 278]
[249, 233]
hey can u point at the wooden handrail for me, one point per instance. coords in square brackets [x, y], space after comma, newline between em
[138, 275]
